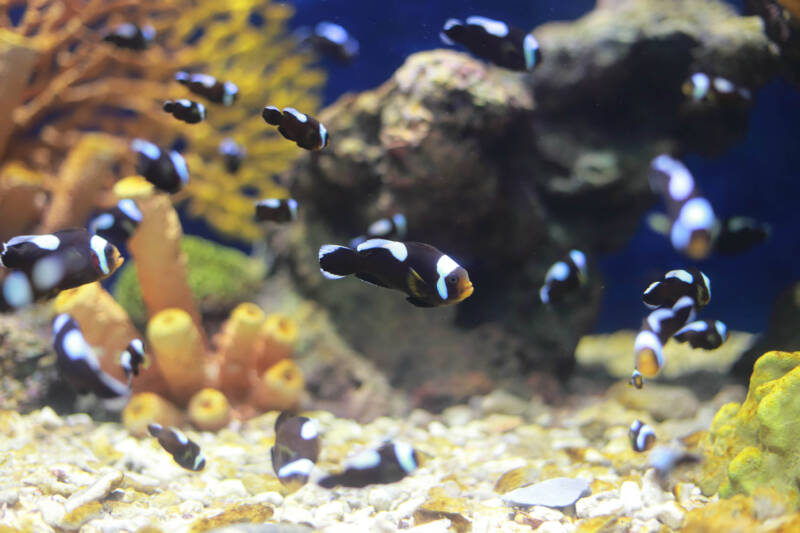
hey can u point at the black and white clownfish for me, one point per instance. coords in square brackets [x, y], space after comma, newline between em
[166, 169]
[296, 449]
[209, 87]
[185, 452]
[78, 364]
[494, 41]
[735, 235]
[637, 379]
[675, 284]
[691, 216]
[232, 153]
[132, 358]
[705, 334]
[330, 40]
[388, 464]
[276, 210]
[564, 277]
[642, 436]
[429, 277]
[702, 88]
[186, 110]
[45, 265]
[394, 227]
[656, 330]
[130, 36]
[305, 130]
[117, 224]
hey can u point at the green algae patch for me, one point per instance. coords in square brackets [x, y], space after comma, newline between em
[220, 277]
[754, 445]
[234, 514]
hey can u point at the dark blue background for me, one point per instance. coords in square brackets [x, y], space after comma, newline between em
[757, 177]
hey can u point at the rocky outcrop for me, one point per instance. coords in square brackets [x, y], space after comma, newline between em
[506, 172]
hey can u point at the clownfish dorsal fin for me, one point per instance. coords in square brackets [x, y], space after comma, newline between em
[416, 284]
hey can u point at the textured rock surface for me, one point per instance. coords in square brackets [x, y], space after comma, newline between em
[754, 444]
[505, 172]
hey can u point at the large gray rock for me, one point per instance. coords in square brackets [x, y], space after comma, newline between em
[505, 172]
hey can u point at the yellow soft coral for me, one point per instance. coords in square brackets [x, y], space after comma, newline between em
[78, 83]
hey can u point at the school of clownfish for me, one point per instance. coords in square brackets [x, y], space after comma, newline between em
[40, 266]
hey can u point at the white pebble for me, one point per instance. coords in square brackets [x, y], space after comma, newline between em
[603, 503]
[330, 512]
[52, 512]
[48, 418]
[191, 507]
[97, 491]
[437, 526]
[631, 496]
[272, 498]
[382, 498]
[670, 514]
[227, 490]
[652, 493]
[552, 527]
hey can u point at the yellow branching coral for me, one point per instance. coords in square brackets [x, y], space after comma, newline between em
[63, 80]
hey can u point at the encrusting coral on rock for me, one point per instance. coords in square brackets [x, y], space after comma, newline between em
[754, 444]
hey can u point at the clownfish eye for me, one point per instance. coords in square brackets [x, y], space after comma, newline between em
[452, 279]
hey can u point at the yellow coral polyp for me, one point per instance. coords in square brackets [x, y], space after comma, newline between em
[235, 349]
[149, 408]
[281, 387]
[209, 410]
[104, 322]
[180, 352]
[276, 340]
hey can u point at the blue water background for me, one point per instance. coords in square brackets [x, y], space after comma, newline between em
[758, 177]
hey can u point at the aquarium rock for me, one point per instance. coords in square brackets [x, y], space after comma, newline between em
[554, 492]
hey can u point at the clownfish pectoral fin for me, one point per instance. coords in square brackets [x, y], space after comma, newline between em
[284, 133]
[416, 284]
[419, 303]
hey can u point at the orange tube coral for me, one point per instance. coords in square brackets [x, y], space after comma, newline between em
[148, 408]
[275, 341]
[106, 326]
[281, 387]
[17, 60]
[235, 349]
[83, 178]
[180, 352]
[209, 410]
[155, 246]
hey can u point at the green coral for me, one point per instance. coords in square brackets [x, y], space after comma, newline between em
[754, 444]
[220, 278]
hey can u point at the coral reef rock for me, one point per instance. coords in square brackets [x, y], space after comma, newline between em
[754, 444]
[505, 172]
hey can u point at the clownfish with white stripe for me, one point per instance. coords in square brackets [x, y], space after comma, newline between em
[276, 210]
[704, 89]
[78, 364]
[494, 41]
[691, 217]
[132, 358]
[296, 449]
[232, 153]
[329, 39]
[166, 169]
[564, 277]
[45, 265]
[185, 452]
[186, 110]
[306, 131]
[429, 277]
[388, 464]
[213, 90]
[705, 334]
[117, 224]
[130, 36]
[637, 380]
[642, 436]
[394, 228]
[676, 284]
[656, 330]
